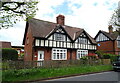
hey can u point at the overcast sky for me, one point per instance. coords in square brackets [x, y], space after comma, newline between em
[91, 15]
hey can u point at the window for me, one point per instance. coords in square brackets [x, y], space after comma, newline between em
[118, 43]
[18, 51]
[37, 42]
[59, 37]
[102, 37]
[81, 53]
[83, 40]
[59, 54]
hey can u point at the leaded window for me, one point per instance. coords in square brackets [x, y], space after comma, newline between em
[59, 54]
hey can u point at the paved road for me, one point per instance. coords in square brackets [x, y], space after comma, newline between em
[107, 77]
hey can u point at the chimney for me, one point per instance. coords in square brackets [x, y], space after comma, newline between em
[110, 28]
[60, 19]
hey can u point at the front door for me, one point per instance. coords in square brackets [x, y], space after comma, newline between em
[40, 55]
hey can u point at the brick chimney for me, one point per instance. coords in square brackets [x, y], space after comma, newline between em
[110, 28]
[60, 19]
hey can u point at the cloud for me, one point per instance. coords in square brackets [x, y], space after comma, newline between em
[13, 34]
[92, 15]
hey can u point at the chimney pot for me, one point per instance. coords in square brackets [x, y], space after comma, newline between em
[60, 19]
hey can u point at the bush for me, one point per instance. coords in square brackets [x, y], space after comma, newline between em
[9, 54]
[112, 57]
[99, 53]
[106, 56]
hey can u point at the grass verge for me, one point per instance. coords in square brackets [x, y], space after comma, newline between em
[42, 73]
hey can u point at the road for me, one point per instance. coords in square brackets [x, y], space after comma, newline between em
[104, 77]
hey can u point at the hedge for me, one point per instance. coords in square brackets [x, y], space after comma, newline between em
[9, 54]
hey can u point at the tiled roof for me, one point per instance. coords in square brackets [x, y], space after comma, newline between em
[112, 36]
[42, 29]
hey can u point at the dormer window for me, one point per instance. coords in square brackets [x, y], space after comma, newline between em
[59, 37]
[83, 40]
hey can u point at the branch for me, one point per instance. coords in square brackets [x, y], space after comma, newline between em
[13, 9]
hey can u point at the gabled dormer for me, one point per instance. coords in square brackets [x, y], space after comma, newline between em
[59, 34]
[102, 36]
[82, 39]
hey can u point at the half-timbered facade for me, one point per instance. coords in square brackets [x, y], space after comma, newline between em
[108, 42]
[55, 41]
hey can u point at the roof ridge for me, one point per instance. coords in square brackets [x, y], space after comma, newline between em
[56, 23]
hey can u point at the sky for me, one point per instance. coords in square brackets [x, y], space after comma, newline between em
[91, 15]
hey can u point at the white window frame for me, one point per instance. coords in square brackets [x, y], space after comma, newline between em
[118, 41]
[81, 53]
[59, 37]
[37, 42]
[59, 54]
[83, 40]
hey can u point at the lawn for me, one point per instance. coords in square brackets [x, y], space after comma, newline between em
[43, 73]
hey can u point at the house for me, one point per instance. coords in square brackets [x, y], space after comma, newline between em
[45, 40]
[108, 42]
[5, 44]
[20, 50]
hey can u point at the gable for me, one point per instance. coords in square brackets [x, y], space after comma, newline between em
[101, 37]
[59, 35]
[118, 38]
[83, 39]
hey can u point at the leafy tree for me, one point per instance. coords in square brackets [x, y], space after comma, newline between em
[115, 19]
[13, 11]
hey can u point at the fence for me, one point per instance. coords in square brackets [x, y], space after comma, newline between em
[6, 65]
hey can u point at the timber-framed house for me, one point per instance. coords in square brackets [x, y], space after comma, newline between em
[45, 40]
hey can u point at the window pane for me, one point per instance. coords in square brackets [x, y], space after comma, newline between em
[81, 53]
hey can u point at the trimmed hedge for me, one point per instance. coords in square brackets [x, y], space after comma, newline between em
[9, 54]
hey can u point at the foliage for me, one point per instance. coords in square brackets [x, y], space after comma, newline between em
[106, 56]
[99, 53]
[35, 74]
[112, 57]
[9, 54]
[84, 58]
[12, 11]
[115, 19]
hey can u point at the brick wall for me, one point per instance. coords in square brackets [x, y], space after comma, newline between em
[106, 46]
[28, 46]
[48, 53]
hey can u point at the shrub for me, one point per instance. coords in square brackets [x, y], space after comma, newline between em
[106, 56]
[112, 57]
[99, 53]
[9, 54]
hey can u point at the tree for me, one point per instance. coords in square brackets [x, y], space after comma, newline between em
[13, 11]
[115, 19]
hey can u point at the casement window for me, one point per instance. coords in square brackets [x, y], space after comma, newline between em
[81, 53]
[102, 37]
[37, 42]
[118, 43]
[59, 54]
[18, 51]
[83, 40]
[59, 37]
